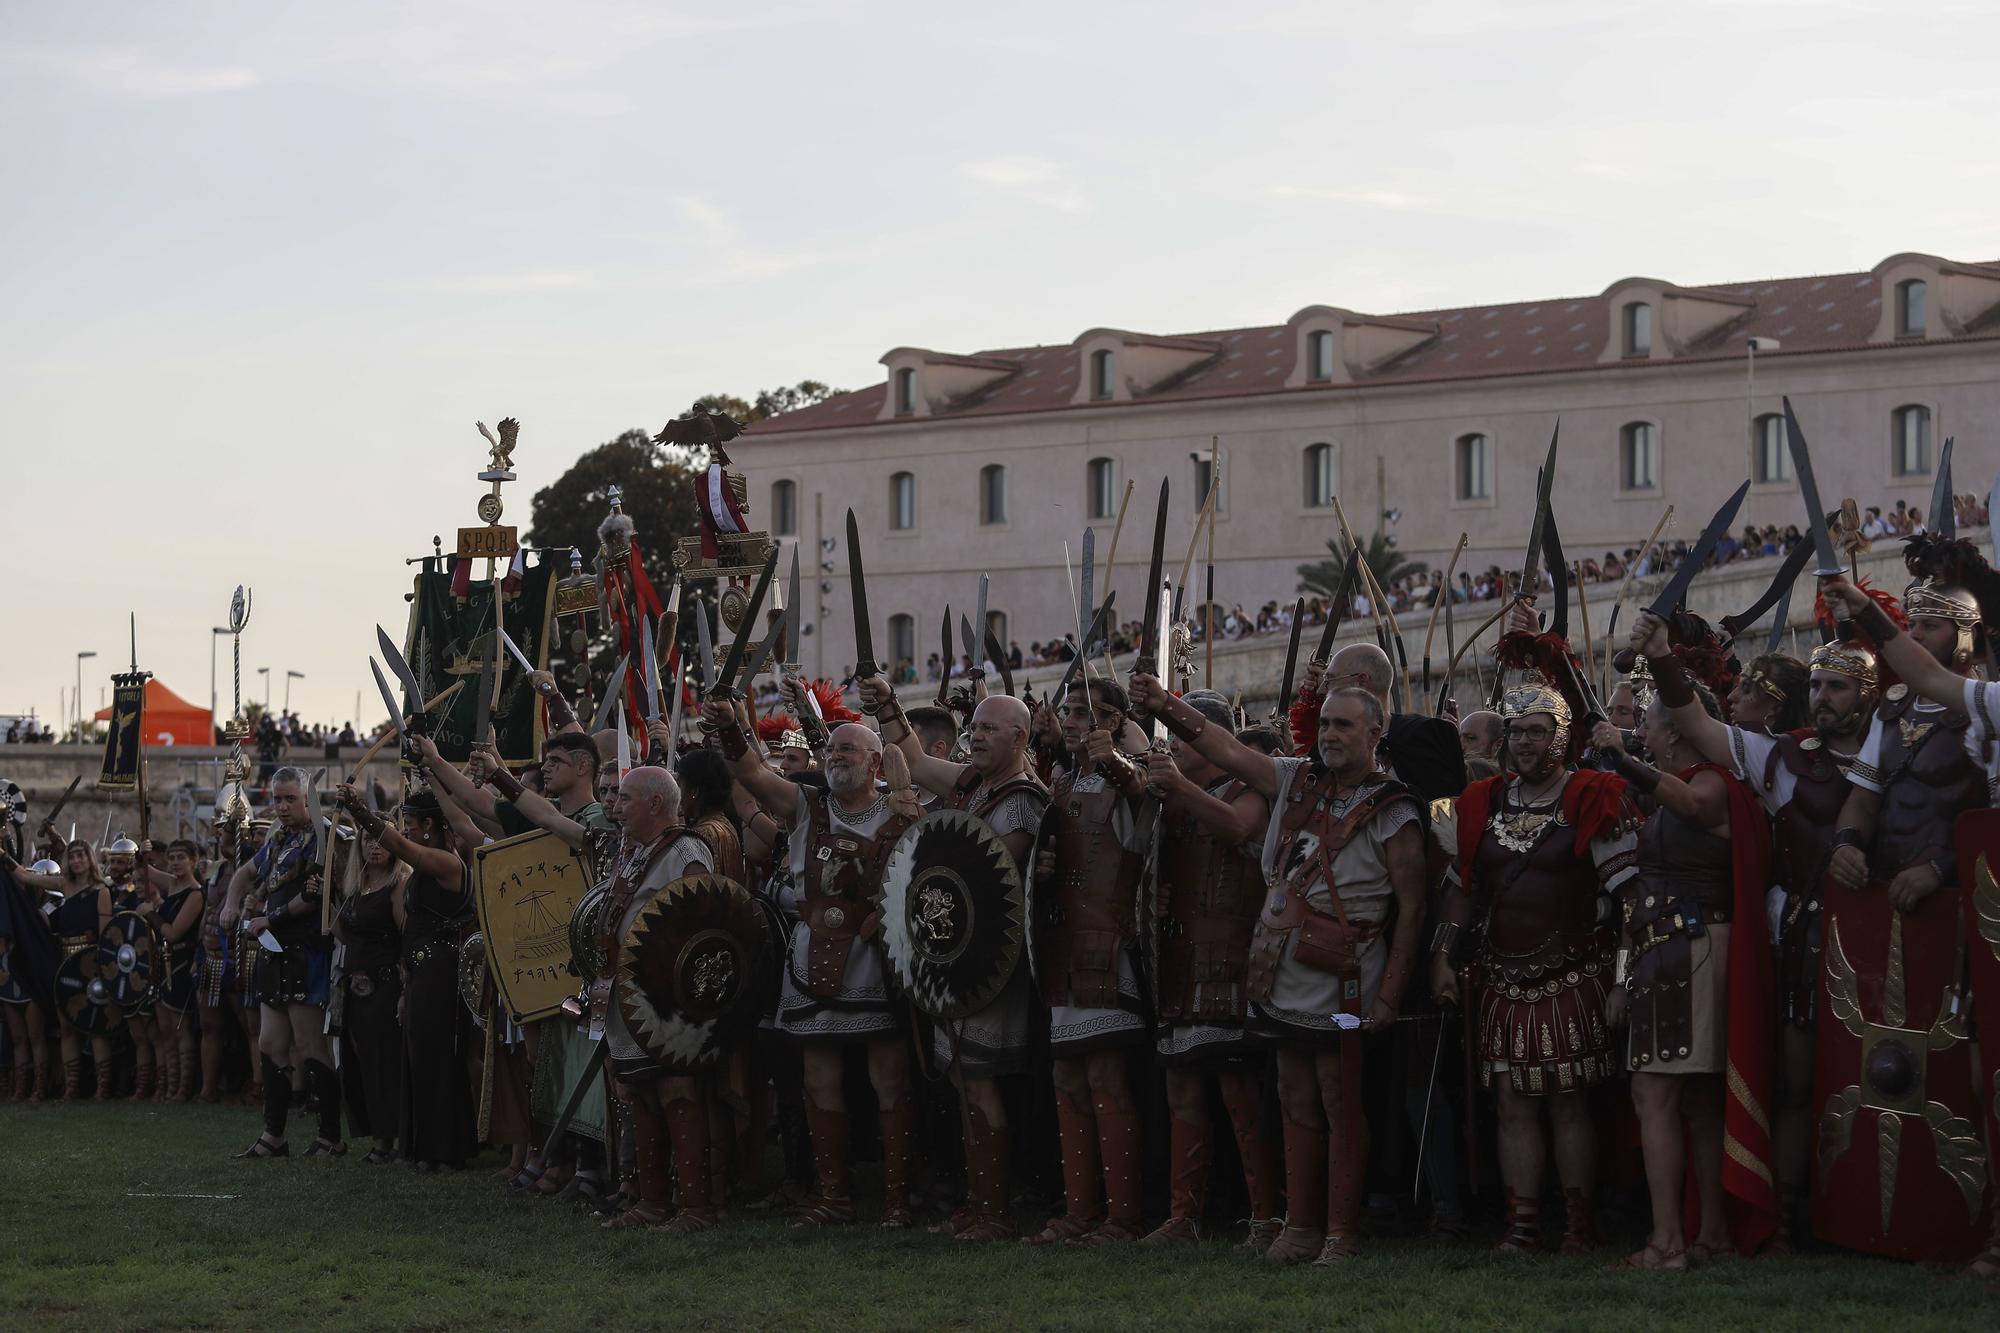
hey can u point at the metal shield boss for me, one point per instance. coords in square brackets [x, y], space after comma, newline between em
[954, 909]
[472, 978]
[130, 959]
[1902, 1171]
[692, 970]
[83, 993]
[586, 958]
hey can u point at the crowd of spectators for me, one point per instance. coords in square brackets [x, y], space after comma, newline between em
[1420, 591]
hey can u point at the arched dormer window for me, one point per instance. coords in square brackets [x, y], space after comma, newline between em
[1101, 374]
[1319, 356]
[1638, 329]
[1912, 296]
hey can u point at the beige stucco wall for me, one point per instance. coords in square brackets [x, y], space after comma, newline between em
[1844, 401]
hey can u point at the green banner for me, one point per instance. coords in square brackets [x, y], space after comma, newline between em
[450, 638]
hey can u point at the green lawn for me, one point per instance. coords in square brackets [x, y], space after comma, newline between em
[334, 1244]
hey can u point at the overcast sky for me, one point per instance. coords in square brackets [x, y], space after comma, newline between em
[262, 266]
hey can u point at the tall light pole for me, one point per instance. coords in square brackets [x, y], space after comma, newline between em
[1754, 346]
[291, 676]
[78, 700]
[265, 672]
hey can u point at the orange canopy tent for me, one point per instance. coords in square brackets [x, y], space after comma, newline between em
[170, 719]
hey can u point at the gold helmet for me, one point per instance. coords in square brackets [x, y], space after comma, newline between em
[1851, 659]
[1944, 601]
[1536, 695]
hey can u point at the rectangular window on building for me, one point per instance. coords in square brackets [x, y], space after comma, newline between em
[1639, 460]
[1474, 467]
[1102, 483]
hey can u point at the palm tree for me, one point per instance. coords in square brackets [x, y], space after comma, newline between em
[1322, 577]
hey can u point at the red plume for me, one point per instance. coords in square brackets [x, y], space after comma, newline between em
[830, 706]
[772, 729]
[1703, 656]
[1304, 720]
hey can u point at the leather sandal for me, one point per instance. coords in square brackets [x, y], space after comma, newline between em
[1063, 1227]
[985, 1228]
[1109, 1233]
[264, 1148]
[1655, 1258]
[686, 1222]
[637, 1218]
[819, 1212]
[325, 1148]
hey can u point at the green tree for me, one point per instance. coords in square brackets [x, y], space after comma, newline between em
[1322, 577]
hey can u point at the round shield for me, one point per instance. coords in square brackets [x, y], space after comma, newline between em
[130, 959]
[84, 996]
[692, 971]
[472, 976]
[13, 804]
[585, 958]
[779, 935]
[953, 910]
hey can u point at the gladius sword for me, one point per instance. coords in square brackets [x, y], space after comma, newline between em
[1147, 661]
[857, 589]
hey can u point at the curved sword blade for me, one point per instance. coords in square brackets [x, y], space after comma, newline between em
[1670, 596]
[999, 659]
[1291, 659]
[649, 665]
[1552, 552]
[1087, 598]
[1781, 585]
[394, 657]
[975, 651]
[1780, 621]
[389, 699]
[1795, 439]
[1096, 627]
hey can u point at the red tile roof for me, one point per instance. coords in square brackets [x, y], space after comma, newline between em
[1835, 312]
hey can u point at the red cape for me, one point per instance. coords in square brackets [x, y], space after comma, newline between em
[1749, 1194]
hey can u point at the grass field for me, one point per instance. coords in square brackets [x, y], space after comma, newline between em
[105, 1228]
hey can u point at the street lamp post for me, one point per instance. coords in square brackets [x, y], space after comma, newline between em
[265, 672]
[78, 701]
[214, 634]
[291, 676]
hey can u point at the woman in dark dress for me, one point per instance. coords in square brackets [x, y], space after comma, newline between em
[76, 922]
[437, 1128]
[178, 913]
[371, 1038]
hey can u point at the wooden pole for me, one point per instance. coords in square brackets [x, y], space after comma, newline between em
[1625, 588]
[1208, 591]
[1430, 631]
[1583, 610]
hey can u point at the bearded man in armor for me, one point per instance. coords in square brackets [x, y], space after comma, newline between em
[1801, 776]
[993, 785]
[1343, 842]
[1921, 796]
[1539, 852]
[835, 990]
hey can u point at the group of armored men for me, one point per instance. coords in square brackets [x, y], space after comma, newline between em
[1753, 904]
[1766, 903]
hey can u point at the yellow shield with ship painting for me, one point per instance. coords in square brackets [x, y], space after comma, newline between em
[526, 888]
